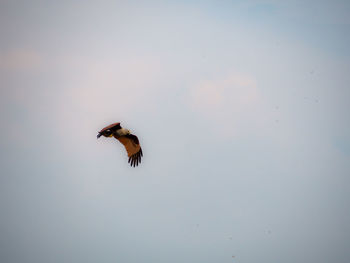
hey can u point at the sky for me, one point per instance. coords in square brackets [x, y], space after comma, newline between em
[241, 108]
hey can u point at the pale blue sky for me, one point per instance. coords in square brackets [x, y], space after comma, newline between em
[241, 108]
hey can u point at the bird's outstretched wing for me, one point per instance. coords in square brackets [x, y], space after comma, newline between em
[133, 148]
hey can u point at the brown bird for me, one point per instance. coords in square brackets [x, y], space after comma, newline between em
[130, 141]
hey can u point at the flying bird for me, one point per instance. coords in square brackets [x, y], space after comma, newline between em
[130, 141]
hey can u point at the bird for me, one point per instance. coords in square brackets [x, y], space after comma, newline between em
[130, 141]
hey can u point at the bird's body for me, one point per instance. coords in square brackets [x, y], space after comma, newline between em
[130, 141]
[121, 132]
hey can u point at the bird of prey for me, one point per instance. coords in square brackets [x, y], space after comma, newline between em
[130, 141]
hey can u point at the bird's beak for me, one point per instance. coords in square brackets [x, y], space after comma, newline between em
[99, 135]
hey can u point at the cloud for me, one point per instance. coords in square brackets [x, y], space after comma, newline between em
[122, 85]
[102, 91]
[20, 59]
[232, 104]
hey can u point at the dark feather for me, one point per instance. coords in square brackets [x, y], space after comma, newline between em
[112, 127]
[133, 138]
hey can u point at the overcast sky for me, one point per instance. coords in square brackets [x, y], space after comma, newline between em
[241, 108]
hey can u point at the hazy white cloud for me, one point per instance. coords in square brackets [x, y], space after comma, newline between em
[105, 91]
[232, 104]
[122, 85]
[257, 153]
[20, 59]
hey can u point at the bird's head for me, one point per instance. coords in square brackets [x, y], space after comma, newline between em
[105, 133]
[110, 130]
